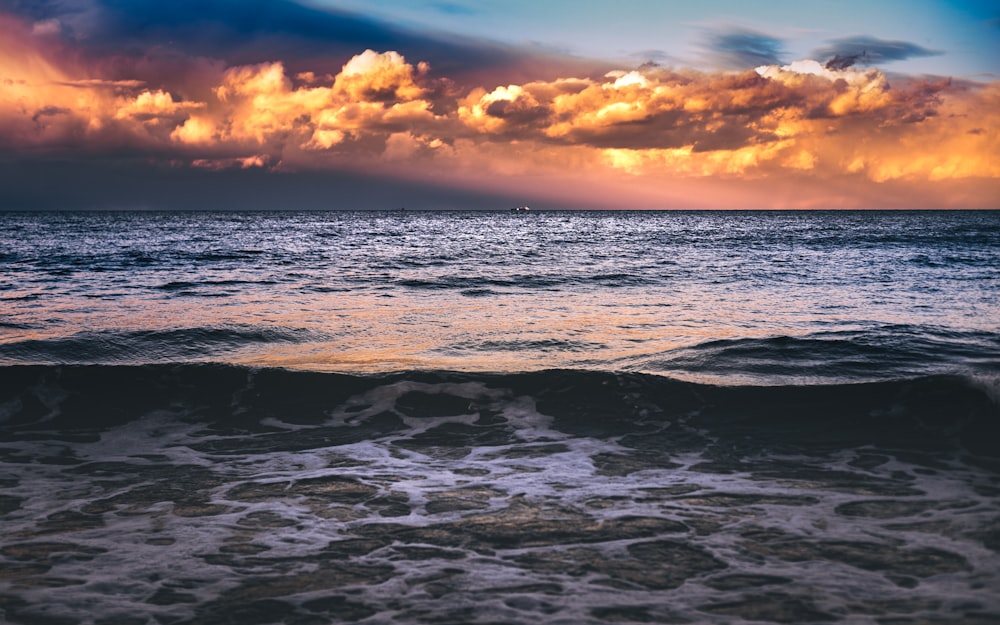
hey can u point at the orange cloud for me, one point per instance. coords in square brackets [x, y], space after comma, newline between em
[642, 130]
[47, 102]
[798, 118]
[153, 106]
[259, 106]
[252, 110]
[38, 102]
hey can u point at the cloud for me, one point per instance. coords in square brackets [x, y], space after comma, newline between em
[506, 110]
[153, 106]
[228, 185]
[98, 83]
[47, 27]
[644, 129]
[658, 108]
[741, 48]
[258, 107]
[247, 32]
[864, 50]
[777, 120]
[48, 100]
[653, 56]
[49, 110]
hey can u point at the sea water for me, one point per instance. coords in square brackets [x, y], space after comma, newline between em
[463, 417]
[762, 297]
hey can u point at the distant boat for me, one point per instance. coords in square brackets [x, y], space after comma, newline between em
[520, 209]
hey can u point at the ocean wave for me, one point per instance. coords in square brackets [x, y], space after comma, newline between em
[533, 345]
[464, 283]
[218, 494]
[531, 282]
[189, 287]
[882, 352]
[146, 346]
[223, 256]
[13, 325]
[927, 413]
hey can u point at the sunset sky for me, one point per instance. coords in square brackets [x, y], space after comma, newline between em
[455, 104]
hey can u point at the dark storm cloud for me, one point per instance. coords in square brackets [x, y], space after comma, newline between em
[741, 48]
[26, 184]
[49, 111]
[517, 112]
[865, 50]
[252, 31]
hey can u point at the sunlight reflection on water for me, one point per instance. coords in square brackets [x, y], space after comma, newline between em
[365, 292]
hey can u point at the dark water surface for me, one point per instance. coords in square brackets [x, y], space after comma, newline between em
[452, 418]
[216, 494]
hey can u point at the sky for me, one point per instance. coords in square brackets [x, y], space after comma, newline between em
[457, 104]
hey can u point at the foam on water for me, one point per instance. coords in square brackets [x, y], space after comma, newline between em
[561, 497]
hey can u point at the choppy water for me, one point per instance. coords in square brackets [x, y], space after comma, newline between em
[762, 297]
[475, 418]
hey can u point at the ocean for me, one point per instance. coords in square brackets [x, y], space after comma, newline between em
[499, 417]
